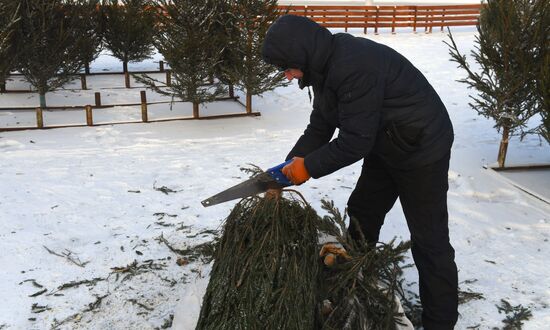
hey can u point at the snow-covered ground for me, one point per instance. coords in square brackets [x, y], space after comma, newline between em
[103, 196]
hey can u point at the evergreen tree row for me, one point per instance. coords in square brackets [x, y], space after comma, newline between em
[50, 41]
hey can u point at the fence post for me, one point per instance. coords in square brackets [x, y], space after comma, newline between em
[97, 99]
[443, 20]
[168, 78]
[347, 22]
[393, 20]
[366, 21]
[89, 116]
[83, 82]
[431, 22]
[376, 20]
[161, 66]
[414, 23]
[127, 79]
[144, 115]
[39, 118]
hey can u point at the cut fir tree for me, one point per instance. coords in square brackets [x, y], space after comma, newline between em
[511, 42]
[186, 38]
[267, 272]
[50, 34]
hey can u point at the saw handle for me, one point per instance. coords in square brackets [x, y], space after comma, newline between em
[277, 174]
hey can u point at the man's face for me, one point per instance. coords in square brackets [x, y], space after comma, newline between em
[293, 73]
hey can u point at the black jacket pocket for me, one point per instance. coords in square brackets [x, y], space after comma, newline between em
[407, 142]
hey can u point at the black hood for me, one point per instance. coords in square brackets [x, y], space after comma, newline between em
[299, 43]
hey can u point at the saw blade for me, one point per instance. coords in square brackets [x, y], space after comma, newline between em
[253, 186]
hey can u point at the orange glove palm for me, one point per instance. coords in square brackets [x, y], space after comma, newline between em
[296, 171]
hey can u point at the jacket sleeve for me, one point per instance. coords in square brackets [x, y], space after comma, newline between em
[360, 96]
[318, 133]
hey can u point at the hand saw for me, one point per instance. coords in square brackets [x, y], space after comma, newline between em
[273, 178]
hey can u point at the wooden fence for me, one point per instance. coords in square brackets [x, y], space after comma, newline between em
[393, 17]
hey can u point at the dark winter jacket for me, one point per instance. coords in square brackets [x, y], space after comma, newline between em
[378, 100]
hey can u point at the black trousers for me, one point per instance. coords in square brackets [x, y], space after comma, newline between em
[423, 195]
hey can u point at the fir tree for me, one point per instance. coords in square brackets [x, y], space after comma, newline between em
[243, 62]
[128, 29]
[542, 60]
[50, 34]
[93, 32]
[186, 39]
[9, 16]
[507, 47]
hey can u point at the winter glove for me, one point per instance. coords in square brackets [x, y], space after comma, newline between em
[333, 253]
[296, 171]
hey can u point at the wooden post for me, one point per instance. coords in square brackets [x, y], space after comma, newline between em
[443, 20]
[393, 21]
[144, 115]
[161, 66]
[127, 79]
[231, 91]
[168, 78]
[83, 81]
[195, 110]
[366, 22]
[414, 24]
[39, 118]
[97, 99]
[347, 22]
[376, 20]
[89, 116]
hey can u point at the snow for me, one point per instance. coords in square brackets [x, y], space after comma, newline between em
[75, 191]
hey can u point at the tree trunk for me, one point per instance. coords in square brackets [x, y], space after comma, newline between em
[125, 66]
[231, 91]
[248, 102]
[503, 146]
[126, 79]
[3, 86]
[43, 100]
[87, 68]
[195, 110]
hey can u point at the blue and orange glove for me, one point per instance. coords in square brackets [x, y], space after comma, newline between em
[296, 171]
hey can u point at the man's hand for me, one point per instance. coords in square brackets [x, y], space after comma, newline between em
[296, 171]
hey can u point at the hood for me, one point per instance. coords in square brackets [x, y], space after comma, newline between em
[300, 43]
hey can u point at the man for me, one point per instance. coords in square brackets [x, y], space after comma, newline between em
[391, 117]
